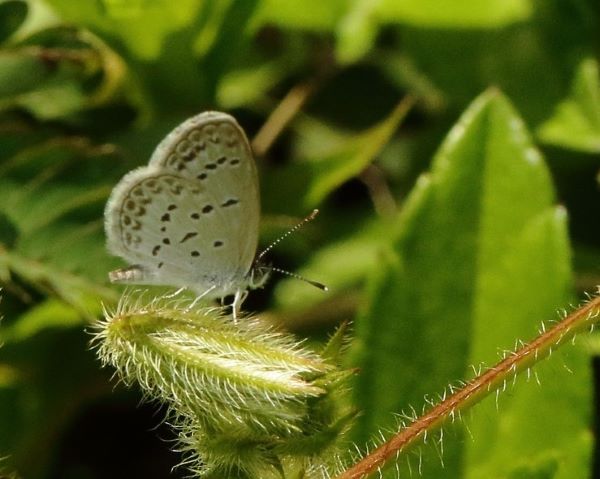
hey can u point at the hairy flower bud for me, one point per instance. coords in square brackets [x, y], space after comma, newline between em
[247, 400]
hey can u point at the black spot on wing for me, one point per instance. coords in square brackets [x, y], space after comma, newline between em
[230, 202]
[188, 236]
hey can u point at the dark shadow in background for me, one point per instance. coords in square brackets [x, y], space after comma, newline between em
[118, 439]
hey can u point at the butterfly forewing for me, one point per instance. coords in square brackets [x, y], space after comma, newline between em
[213, 149]
[191, 217]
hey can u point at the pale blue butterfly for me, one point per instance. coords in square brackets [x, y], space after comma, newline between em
[190, 218]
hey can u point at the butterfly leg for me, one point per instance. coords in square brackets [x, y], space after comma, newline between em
[199, 297]
[238, 299]
[176, 293]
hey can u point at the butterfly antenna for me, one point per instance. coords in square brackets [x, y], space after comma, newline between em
[309, 218]
[321, 286]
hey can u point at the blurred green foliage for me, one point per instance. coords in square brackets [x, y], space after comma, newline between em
[439, 271]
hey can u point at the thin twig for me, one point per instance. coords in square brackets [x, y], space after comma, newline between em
[287, 109]
[379, 190]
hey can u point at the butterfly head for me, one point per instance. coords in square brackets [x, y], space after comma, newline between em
[259, 274]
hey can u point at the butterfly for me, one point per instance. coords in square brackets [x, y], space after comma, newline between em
[190, 218]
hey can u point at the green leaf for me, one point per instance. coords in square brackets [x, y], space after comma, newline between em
[60, 71]
[142, 30]
[12, 15]
[313, 15]
[124, 8]
[531, 407]
[49, 314]
[52, 382]
[53, 194]
[245, 86]
[352, 157]
[79, 293]
[575, 123]
[8, 232]
[357, 31]
[455, 13]
[20, 73]
[344, 264]
[480, 256]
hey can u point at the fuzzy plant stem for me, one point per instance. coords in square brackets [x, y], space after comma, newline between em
[492, 380]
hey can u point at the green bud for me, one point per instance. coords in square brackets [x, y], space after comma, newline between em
[248, 401]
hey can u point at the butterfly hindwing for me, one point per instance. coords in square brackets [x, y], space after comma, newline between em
[190, 218]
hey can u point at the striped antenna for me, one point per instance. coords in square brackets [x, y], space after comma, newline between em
[309, 218]
[321, 286]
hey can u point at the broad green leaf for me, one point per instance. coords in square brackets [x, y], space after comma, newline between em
[479, 258]
[351, 158]
[538, 440]
[358, 30]
[12, 15]
[575, 123]
[314, 15]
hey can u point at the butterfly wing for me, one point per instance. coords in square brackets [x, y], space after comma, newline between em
[213, 149]
[191, 217]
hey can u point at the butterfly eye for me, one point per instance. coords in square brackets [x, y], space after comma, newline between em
[259, 275]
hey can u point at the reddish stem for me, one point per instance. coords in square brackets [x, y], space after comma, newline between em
[476, 389]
